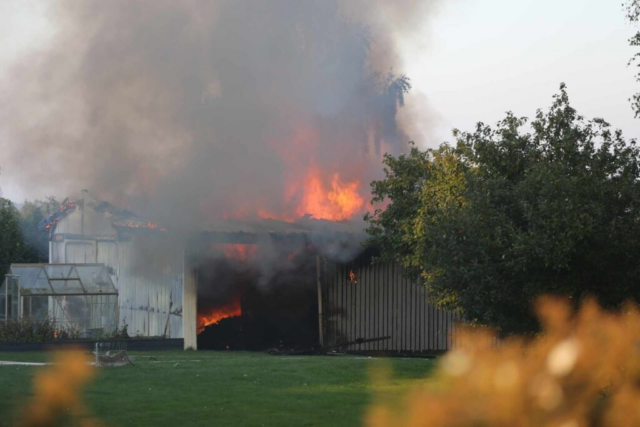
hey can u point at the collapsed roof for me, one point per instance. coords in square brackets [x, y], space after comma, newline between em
[119, 218]
[236, 230]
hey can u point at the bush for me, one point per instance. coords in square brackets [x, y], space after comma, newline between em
[117, 334]
[27, 330]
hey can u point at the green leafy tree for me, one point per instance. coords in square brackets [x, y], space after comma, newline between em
[513, 212]
[12, 244]
[31, 215]
[633, 15]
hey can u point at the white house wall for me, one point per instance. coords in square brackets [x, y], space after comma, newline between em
[150, 298]
[145, 299]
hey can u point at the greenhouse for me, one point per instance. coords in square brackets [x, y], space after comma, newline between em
[75, 297]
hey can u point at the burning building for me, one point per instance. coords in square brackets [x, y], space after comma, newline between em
[250, 131]
[250, 285]
[148, 280]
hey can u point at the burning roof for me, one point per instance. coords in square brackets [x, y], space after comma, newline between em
[335, 240]
[304, 225]
[226, 229]
[49, 224]
[120, 218]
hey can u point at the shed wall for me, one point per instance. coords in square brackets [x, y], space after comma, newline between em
[150, 299]
[382, 303]
[150, 290]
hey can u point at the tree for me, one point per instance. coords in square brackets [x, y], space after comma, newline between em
[31, 215]
[633, 15]
[506, 215]
[12, 245]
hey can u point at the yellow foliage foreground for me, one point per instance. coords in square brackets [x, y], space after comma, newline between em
[583, 370]
[57, 395]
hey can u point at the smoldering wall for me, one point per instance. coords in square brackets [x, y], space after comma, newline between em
[192, 109]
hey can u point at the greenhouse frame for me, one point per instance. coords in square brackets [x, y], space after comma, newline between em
[78, 298]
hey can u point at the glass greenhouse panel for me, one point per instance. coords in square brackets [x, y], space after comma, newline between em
[32, 280]
[95, 278]
[61, 271]
[9, 298]
[75, 297]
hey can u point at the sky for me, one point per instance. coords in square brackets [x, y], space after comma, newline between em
[473, 61]
[478, 59]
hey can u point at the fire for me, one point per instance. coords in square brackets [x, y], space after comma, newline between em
[318, 189]
[237, 251]
[66, 206]
[331, 191]
[353, 278]
[320, 195]
[337, 201]
[217, 314]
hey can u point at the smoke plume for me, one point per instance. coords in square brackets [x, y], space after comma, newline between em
[198, 109]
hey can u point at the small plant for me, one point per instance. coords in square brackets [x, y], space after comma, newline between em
[120, 333]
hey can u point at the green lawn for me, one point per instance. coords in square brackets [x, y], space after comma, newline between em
[224, 388]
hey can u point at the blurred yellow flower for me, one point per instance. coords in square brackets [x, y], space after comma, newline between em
[58, 392]
[582, 370]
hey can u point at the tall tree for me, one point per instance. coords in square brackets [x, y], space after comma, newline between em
[516, 211]
[633, 15]
[31, 215]
[12, 245]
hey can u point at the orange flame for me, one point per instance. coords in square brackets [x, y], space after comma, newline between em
[64, 207]
[338, 201]
[331, 192]
[320, 197]
[353, 278]
[237, 251]
[216, 315]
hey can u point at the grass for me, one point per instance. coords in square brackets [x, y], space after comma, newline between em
[224, 388]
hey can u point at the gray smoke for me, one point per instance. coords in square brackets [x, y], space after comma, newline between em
[194, 109]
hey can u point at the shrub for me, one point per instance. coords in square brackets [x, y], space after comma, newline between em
[27, 330]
